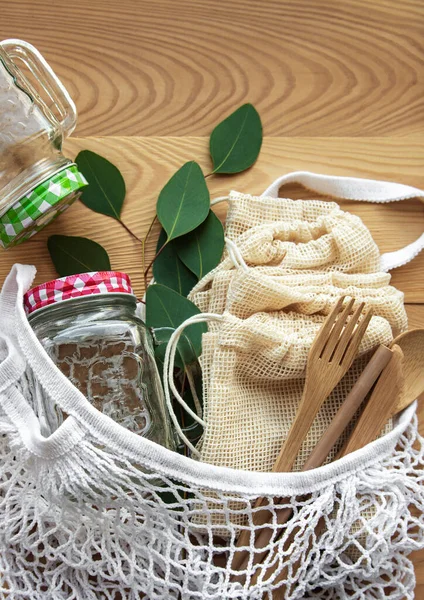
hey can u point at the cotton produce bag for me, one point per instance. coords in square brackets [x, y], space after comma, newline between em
[288, 263]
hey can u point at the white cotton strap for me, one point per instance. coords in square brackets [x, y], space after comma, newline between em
[220, 199]
[366, 190]
[235, 255]
[168, 376]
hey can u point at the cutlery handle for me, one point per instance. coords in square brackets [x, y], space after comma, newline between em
[380, 406]
[309, 406]
[347, 410]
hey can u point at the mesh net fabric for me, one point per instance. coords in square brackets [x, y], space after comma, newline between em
[244, 292]
[113, 516]
[253, 378]
[102, 522]
[298, 257]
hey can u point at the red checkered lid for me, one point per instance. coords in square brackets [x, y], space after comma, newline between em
[76, 286]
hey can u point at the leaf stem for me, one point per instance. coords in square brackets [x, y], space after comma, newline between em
[150, 228]
[128, 230]
[146, 272]
[209, 174]
[143, 247]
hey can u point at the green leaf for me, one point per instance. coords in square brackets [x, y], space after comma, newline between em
[72, 255]
[201, 249]
[105, 193]
[166, 308]
[169, 270]
[236, 142]
[184, 201]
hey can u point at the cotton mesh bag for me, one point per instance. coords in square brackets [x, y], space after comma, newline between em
[289, 235]
[280, 278]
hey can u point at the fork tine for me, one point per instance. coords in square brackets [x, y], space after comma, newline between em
[352, 348]
[346, 335]
[333, 338]
[321, 338]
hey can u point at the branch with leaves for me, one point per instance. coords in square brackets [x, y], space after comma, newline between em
[190, 243]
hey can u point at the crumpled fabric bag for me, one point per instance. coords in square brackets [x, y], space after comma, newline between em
[287, 262]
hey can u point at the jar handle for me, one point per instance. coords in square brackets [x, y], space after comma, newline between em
[62, 106]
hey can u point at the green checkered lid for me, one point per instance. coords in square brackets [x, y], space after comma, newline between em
[40, 206]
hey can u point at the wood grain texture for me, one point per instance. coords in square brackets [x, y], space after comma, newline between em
[339, 86]
[147, 163]
[176, 67]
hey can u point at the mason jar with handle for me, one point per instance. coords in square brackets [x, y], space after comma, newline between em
[37, 182]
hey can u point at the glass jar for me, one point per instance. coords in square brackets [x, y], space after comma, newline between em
[36, 114]
[88, 326]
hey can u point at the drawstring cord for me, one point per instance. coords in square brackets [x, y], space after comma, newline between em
[168, 376]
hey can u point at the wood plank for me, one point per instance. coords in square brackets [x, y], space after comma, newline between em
[177, 67]
[147, 163]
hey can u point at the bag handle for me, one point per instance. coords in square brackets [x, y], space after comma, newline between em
[362, 190]
[22, 348]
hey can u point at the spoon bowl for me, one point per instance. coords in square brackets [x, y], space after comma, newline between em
[412, 346]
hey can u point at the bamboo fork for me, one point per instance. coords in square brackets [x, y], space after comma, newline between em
[330, 357]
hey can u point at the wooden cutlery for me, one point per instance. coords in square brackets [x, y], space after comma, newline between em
[331, 355]
[400, 383]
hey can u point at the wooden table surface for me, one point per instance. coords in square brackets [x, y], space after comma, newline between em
[339, 86]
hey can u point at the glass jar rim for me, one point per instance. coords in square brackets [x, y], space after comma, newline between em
[80, 285]
[37, 202]
[87, 298]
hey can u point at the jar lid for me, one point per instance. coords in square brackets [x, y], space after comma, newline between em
[39, 207]
[76, 286]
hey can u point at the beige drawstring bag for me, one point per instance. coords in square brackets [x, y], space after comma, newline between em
[287, 262]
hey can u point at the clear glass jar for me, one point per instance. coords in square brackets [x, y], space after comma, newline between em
[36, 114]
[88, 326]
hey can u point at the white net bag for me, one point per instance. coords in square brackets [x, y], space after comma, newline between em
[94, 511]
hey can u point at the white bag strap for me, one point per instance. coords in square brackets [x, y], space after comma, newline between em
[365, 190]
[168, 376]
[22, 347]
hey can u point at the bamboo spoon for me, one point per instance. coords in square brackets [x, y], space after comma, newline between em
[330, 357]
[412, 346]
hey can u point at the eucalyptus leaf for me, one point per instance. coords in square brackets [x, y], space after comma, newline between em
[105, 193]
[165, 308]
[236, 142]
[184, 201]
[169, 270]
[201, 249]
[72, 255]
